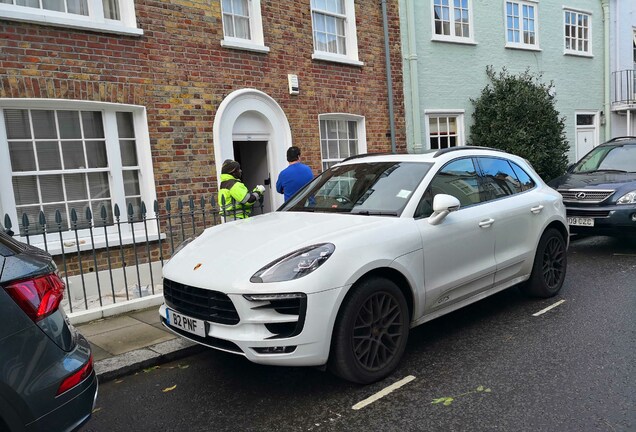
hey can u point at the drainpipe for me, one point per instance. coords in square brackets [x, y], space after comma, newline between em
[411, 58]
[389, 79]
[606, 67]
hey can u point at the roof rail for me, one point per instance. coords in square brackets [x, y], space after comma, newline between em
[365, 155]
[452, 149]
[620, 138]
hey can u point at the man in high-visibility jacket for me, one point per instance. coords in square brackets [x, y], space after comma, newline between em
[235, 200]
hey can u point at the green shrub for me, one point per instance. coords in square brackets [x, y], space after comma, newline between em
[516, 113]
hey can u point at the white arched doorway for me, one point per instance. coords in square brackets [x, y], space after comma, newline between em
[250, 126]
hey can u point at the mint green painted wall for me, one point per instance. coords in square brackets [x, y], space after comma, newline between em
[451, 73]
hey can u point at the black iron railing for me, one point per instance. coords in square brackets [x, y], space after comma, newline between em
[105, 254]
[623, 87]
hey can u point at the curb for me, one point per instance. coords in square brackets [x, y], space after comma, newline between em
[125, 364]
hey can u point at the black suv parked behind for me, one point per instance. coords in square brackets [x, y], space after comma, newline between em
[47, 382]
[599, 191]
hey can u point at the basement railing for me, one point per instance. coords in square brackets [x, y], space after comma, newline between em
[113, 258]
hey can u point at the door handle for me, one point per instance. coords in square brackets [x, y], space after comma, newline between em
[537, 209]
[486, 223]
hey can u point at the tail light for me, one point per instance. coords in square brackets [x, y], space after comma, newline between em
[77, 377]
[38, 297]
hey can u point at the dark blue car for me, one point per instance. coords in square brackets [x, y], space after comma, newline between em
[599, 191]
[47, 381]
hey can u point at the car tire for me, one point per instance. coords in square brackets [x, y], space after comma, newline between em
[550, 265]
[370, 333]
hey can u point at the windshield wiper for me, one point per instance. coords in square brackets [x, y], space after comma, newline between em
[375, 213]
[320, 209]
[609, 170]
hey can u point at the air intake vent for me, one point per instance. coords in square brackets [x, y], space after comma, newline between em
[200, 303]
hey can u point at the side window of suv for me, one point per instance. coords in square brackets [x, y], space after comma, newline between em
[459, 179]
[499, 179]
[526, 181]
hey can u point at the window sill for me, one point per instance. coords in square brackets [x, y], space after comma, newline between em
[452, 39]
[578, 54]
[244, 45]
[70, 245]
[336, 58]
[68, 22]
[523, 47]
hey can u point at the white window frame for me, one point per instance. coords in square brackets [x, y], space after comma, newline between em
[470, 40]
[146, 175]
[351, 38]
[95, 20]
[360, 131]
[458, 114]
[256, 42]
[521, 44]
[570, 51]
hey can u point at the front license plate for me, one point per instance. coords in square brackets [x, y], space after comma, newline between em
[191, 325]
[581, 221]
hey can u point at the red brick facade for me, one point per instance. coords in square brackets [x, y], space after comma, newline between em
[180, 72]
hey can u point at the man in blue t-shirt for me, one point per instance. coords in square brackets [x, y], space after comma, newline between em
[295, 176]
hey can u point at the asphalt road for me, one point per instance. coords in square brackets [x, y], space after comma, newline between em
[572, 368]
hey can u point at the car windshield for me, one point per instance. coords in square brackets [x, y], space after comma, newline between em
[371, 188]
[617, 158]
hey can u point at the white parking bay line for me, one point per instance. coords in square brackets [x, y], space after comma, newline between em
[383, 392]
[542, 311]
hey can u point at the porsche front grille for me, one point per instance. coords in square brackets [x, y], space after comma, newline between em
[200, 303]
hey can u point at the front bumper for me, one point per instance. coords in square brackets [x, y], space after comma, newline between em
[253, 337]
[610, 220]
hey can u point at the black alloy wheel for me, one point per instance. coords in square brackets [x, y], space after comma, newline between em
[371, 332]
[377, 331]
[554, 263]
[550, 266]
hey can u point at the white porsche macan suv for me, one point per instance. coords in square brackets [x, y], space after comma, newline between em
[373, 246]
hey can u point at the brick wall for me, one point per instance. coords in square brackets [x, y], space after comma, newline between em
[180, 73]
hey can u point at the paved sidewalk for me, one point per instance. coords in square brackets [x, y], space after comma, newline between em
[127, 343]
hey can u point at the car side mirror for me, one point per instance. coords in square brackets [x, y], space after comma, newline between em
[442, 205]
[570, 168]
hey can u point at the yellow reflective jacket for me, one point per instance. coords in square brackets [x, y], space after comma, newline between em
[235, 200]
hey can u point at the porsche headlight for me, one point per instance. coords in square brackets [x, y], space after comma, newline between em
[628, 198]
[294, 265]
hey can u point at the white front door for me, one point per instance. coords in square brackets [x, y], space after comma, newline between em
[586, 132]
[584, 142]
